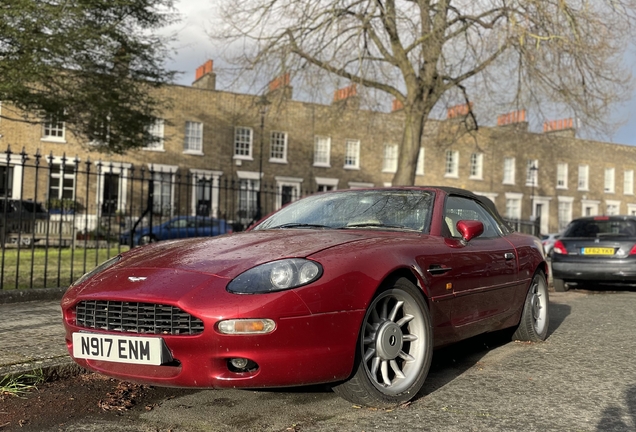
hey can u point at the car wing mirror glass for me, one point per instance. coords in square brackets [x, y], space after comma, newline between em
[469, 229]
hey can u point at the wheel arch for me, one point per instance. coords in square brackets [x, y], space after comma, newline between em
[408, 273]
[543, 266]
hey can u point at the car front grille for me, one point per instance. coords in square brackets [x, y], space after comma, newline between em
[130, 317]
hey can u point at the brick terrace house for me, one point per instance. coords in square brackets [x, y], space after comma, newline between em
[209, 161]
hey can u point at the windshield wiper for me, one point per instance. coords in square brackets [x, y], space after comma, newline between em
[300, 225]
[377, 225]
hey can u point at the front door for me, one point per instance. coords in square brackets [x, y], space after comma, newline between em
[204, 197]
[484, 269]
[110, 194]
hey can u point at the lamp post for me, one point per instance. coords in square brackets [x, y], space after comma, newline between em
[533, 175]
[263, 106]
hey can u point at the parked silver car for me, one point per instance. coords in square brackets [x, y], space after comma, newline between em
[548, 240]
[599, 249]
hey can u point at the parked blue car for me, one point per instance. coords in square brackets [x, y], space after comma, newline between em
[177, 228]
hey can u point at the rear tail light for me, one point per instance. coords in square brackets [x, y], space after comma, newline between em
[559, 248]
[633, 251]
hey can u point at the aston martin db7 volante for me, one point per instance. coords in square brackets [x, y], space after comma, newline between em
[353, 287]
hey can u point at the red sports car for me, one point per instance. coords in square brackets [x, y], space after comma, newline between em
[353, 287]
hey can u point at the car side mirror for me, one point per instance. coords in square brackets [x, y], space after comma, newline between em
[469, 229]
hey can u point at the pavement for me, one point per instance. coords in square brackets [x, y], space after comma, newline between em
[32, 336]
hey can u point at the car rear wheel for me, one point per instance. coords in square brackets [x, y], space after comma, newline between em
[535, 317]
[394, 349]
[559, 285]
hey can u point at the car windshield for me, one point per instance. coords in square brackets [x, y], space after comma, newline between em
[373, 209]
[601, 227]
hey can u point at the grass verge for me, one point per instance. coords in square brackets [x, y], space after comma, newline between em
[52, 268]
[16, 385]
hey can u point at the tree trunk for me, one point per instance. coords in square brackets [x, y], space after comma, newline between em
[415, 118]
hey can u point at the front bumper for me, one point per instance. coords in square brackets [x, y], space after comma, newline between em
[302, 350]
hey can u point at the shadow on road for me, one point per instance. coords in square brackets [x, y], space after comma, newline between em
[448, 363]
[452, 361]
[558, 314]
[614, 416]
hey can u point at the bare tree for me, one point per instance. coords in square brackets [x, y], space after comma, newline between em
[563, 53]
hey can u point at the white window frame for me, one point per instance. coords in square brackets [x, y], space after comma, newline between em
[253, 186]
[243, 143]
[584, 178]
[544, 203]
[278, 147]
[101, 126]
[294, 182]
[156, 130]
[162, 170]
[322, 151]
[193, 138]
[352, 154]
[61, 176]
[564, 211]
[360, 185]
[328, 183]
[562, 175]
[390, 158]
[53, 130]
[609, 183]
[419, 170]
[628, 182]
[509, 171]
[514, 212]
[612, 207]
[15, 162]
[631, 209]
[532, 173]
[451, 165]
[214, 178]
[592, 205]
[476, 166]
[119, 168]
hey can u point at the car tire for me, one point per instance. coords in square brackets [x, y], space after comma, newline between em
[559, 285]
[394, 349]
[535, 317]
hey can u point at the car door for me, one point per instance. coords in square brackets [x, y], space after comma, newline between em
[485, 269]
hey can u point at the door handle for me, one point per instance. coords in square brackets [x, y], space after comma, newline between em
[509, 256]
[436, 269]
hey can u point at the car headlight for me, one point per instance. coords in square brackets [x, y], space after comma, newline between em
[100, 268]
[276, 276]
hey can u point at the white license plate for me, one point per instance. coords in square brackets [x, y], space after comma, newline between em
[120, 349]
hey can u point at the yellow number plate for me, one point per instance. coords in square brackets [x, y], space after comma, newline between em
[597, 251]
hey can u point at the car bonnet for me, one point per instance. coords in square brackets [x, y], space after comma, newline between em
[228, 256]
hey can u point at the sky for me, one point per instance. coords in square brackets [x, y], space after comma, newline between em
[193, 48]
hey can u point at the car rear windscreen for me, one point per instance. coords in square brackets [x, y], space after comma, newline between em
[598, 228]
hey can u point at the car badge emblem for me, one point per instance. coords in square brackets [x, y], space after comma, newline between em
[136, 279]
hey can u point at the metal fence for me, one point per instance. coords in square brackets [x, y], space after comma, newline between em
[60, 217]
